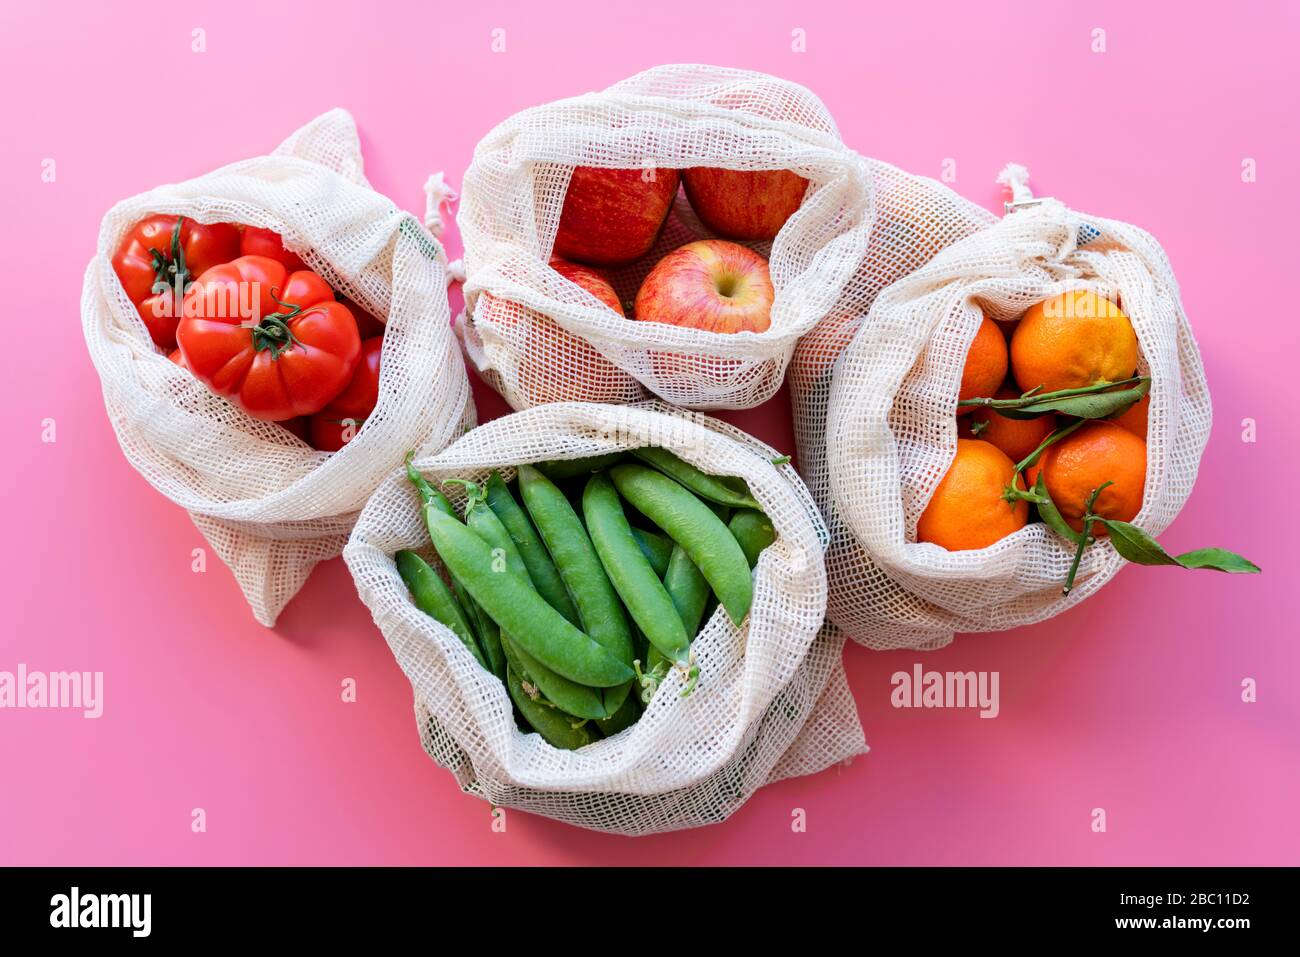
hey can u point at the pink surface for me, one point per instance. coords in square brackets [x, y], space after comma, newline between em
[1131, 703]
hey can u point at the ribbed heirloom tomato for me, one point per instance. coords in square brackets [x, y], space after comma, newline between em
[338, 423]
[276, 344]
[162, 252]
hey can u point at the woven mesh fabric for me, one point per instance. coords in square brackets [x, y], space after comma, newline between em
[536, 337]
[772, 700]
[271, 506]
[891, 435]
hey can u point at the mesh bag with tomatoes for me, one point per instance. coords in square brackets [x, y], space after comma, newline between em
[567, 208]
[272, 435]
[771, 700]
[1060, 321]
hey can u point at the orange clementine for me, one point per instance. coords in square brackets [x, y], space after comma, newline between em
[1135, 419]
[967, 510]
[1016, 437]
[1073, 340]
[986, 363]
[1096, 453]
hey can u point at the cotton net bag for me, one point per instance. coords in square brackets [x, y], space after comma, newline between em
[772, 700]
[269, 505]
[892, 432]
[536, 337]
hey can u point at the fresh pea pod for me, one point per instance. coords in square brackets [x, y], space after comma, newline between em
[569, 696]
[622, 719]
[576, 699]
[725, 491]
[541, 569]
[657, 549]
[584, 576]
[694, 526]
[634, 579]
[517, 607]
[490, 639]
[559, 469]
[688, 589]
[556, 728]
[434, 598]
[754, 531]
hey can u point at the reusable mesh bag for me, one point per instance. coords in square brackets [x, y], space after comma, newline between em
[270, 506]
[772, 701]
[536, 337]
[891, 429]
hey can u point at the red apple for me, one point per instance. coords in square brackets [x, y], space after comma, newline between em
[612, 216]
[744, 204]
[711, 284]
[590, 280]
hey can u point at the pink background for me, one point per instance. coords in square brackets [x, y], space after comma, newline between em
[1131, 702]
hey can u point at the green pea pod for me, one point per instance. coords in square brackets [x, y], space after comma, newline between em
[541, 569]
[688, 589]
[569, 696]
[490, 639]
[556, 728]
[694, 526]
[584, 576]
[754, 531]
[576, 699]
[434, 598]
[723, 490]
[622, 719]
[517, 607]
[559, 469]
[657, 549]
[631, 573]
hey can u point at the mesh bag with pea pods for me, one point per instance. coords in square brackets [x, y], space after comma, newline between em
[537, 337]
[891, 433]
[771, 701]
[271, 506]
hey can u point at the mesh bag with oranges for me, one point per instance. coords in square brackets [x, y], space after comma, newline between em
[592, 277]
[1034, 377]
[270, 505]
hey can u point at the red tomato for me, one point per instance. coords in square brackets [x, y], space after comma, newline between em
[267, 242]
[162, 252]
[338, 423]
[298, 426]
[367, 324]
[329, 434]
[275, 344]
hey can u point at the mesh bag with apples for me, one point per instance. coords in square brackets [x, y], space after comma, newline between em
[772, 700]
[589, 278]
[270, 505]
[893, 428]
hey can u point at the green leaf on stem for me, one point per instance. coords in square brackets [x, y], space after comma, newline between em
[1141, 549]
[1049, 513]
[1097, 405]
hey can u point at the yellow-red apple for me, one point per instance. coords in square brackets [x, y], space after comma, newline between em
[711, 284]
[612, 216]
[747, 205]
[590, 280]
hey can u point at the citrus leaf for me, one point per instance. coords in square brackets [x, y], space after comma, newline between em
[1095, 406]
[1136, 545]
[1049, 513]
[1218, 559]
[1139, 547]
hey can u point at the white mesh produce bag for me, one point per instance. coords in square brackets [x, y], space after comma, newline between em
[891, 430]
[537, 337]
[772, 701]
[271, 506]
